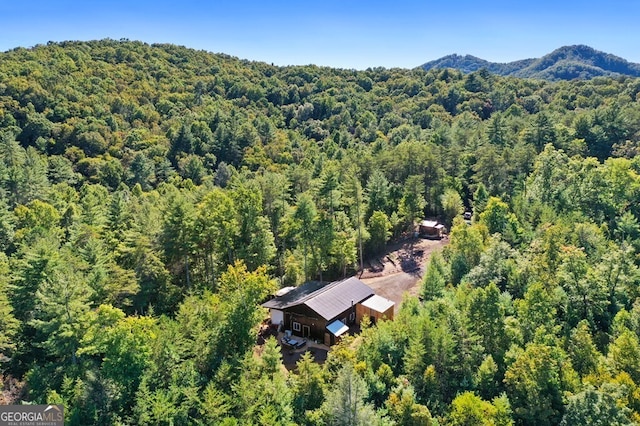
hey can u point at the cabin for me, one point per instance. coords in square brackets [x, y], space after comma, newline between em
[320, 311]
[431, 229]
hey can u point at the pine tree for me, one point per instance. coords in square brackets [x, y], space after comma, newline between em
[62, 300]
[9, 325]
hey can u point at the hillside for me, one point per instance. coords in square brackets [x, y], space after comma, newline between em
[565, 63]
[469, 63]
[152, 196]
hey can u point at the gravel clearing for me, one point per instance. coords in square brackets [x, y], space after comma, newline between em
[400, 269]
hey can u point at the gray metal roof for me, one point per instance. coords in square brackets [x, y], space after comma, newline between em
[328, 300]
[429, 223]
[378, 303]
[339, 296]
[294, 297]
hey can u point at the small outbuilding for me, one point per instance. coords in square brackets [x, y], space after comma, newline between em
[376, 308]
[431, 229]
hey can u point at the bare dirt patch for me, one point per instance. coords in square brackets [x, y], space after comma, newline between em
[401, 268]
[12, 391]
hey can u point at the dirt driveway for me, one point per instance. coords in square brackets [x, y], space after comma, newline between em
[401, 269]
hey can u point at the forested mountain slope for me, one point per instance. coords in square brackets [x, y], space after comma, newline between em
[152, 196]
[566, 63]
[469, 63]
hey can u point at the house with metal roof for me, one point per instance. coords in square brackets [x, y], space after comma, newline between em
[319, 311]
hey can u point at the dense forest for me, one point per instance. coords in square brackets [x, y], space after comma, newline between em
[153, 195]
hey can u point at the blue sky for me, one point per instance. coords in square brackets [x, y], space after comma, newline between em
[337, 33]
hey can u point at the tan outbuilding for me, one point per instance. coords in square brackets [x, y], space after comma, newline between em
[376, 308]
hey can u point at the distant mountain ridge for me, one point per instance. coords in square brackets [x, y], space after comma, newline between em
[566, 63]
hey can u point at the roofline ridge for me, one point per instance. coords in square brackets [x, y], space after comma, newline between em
[323, 289]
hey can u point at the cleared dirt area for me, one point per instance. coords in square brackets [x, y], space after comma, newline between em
[401, 268]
